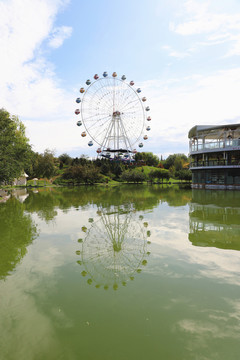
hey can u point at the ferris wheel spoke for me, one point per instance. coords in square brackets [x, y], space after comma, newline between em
[96, 252]
[130, 100]
[129, 262]
[97, 117]
[133, 101]
[101, 132]
[127, 94]
[98, 120]
[105, 122]
[103, 90]
[119, 95]
[87, 118]
[109, 97]
[101, 103]
[129, 112]
[95, 96]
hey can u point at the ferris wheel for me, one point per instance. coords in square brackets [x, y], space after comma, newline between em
[114, 115]
[115, 247]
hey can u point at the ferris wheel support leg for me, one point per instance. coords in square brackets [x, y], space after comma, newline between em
[104, 143]
[126, 138]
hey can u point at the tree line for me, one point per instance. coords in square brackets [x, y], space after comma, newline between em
[17, 156]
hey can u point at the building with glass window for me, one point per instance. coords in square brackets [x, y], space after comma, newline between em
[215, 156]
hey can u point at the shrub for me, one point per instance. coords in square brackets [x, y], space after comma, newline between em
[88, 174]
[133, 176]
[159, 174]
[184, 175]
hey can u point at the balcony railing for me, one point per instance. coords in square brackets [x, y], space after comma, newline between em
[215, 163]
[215, 145]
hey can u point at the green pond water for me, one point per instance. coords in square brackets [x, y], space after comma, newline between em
[123, 273]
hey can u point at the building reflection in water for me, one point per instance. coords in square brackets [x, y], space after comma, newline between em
[214, 219]
[114, 247]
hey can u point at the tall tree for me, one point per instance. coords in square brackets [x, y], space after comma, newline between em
[176, 160]
[14, 147]
[45, 164]
[148, 157]
[65, 159]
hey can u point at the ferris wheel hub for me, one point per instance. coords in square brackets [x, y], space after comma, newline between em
[116, 113]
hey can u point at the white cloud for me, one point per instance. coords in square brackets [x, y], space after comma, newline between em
[174, 53]
[179, 104]
[59, 135]
[59, 34]
[29, 87]
[216, 27]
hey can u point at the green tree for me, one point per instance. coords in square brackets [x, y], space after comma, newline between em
[134, 176]
[159, 174]
[175, 160]
[172, 171]
[83, 160]
[105, 168]
[88, 174]
[116, 169]
[184, 174]
[14, 147]
[91, 174]
[148, 157]
[43, 165]
[31, 168]
[65, 159]
[178, 163]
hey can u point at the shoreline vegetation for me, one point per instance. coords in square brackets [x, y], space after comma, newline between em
[18, 162]
[89, 175]
[48, 184]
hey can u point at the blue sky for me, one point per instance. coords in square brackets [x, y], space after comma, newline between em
[183, 54]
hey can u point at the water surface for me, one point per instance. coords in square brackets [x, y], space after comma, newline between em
[131, 272]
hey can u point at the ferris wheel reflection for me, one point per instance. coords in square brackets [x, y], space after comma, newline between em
[114, 248]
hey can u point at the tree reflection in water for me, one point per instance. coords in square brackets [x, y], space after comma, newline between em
[114, 248]
[17, 232]
[214, 218]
